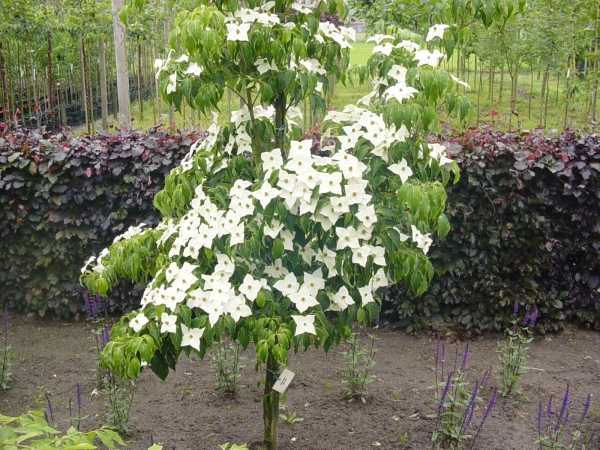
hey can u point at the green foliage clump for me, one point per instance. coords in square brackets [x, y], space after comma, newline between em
[32, 431]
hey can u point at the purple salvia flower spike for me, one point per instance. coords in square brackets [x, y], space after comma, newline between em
[488, 408]
[98, 303]
[443, 360]
[376, 320]
[50, 410]
[586, 407]
[526, 318]
[566, 419]
[490, 404]
[465, 356]
[470, 408]
[94, 307]
[564, 407]
[104, 336]
[487, 375]
[534, 317]
[445, 392]
[78, 396]
[516, 307]
[549, 408]
[88, 308]
[539, 417]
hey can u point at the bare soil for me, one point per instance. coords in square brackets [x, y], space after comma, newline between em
[187, 412]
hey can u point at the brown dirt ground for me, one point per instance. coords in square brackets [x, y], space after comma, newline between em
[186, 412]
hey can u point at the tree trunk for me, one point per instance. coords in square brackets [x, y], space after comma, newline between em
[479, 93]
[50, 82]
[530, 93]
[21, 85]
[121, 66]
[167, 31]
[270, 405]
[4, 107]
[84, 93]
[501, 89]
[103, 90]
[595, 85]
[139, 77]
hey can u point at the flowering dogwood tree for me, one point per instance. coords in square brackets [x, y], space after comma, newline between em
[261, 238]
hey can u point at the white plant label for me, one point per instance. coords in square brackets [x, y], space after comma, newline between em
[284, 380]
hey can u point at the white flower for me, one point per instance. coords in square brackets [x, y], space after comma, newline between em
[459, 81]
[427, 241]
[312, 65]
[236, 307]
[400, 92]
[341, 300]
[327, 257]
[360, 255]
[425, 57]
[276, 270]
[386, 48]
[379, 280]
[273, 231]
[304, 324]
[271, 160]
[191, 336]
[366, 295]
[303, 299]
[250, 287]
[87, 263]
[215, 308]
[314, 282]
[402, 170]
[287, 237]
[193, 69]
[347, 237]
[417, 236]
[263, 65]
[138, 322]
[398, 73]
[237, 32]
[288, 286]
[169, 323]
[379, 38]
[331, 182]
[301, 8]
[247, 15]
[237, 234]
[409, 46]
[436, 31]
[366, 214]
[378, 254]
[265, 194]
[437, 151]
[172, 86]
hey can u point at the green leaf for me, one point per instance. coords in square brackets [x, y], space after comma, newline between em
[277, 250]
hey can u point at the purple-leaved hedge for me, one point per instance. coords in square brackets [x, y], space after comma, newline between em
[524, 216]
[525, 224]
[64, 199]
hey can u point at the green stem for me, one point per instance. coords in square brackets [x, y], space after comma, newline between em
[270, 405]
